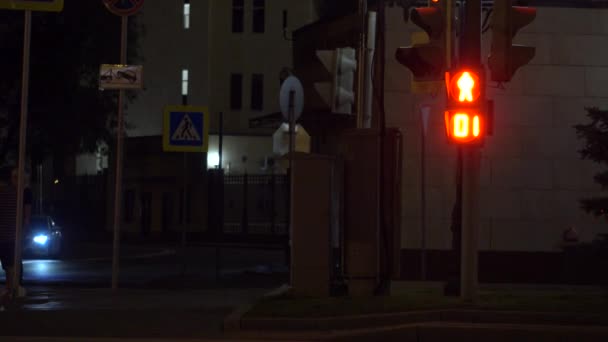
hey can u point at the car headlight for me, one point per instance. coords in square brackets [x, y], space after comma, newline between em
[41, 239]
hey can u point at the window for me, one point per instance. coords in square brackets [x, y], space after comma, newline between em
[185, 73]
[236, 91]
[257, 92]
[129, 205]
[238, 17]
[258, 16]
[186, 14]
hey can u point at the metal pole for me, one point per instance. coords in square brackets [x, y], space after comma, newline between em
[362, 9]
[27, 33]
[369, 57]
[40, 189]
[292, 128]
[119, 158]
[221, 140]
[184, 211]
[184, 195]
[423, 201]
[291, 180]
[470, 56]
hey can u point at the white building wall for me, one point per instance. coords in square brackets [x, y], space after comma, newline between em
[532, 175]
[167, 48]
[250, 53]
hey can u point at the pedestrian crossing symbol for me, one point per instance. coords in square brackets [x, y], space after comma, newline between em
[186, 129]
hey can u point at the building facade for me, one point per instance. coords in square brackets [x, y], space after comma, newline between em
[248, 51]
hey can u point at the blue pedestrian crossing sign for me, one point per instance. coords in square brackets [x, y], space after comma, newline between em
[186, 129]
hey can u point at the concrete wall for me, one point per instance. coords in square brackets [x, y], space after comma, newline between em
[532, 175]
[250, 53]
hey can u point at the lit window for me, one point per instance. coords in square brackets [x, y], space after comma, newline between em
[185, 82]
[186, 14]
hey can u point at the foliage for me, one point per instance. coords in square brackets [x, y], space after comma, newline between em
[67, 113]
[595, 148]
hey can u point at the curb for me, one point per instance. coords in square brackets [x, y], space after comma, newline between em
[234, 321]
[434, 331]
[444, 316]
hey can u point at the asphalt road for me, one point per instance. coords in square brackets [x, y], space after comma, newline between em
[156, 266]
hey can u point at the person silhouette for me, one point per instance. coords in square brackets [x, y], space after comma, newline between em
[186, 132]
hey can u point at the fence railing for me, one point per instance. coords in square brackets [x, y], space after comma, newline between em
[252, 206]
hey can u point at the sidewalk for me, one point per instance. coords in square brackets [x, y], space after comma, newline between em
[56, 312]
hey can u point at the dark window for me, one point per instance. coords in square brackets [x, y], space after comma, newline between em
[257, 92]
[129, 206]
[238, 16]
[258, 16]
[236, 91]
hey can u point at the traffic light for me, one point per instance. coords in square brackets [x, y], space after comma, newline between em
[466, 113]
[427, 61]
[338, 92]
[505, 58]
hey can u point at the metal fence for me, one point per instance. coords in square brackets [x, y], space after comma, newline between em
[253, 207]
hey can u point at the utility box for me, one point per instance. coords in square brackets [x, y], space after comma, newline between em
[311, 222]
[370, 252]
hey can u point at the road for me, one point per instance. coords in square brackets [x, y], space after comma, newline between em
[152, 266]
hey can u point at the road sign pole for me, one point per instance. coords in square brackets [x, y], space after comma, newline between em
[27, 28]
[292, 129]
[292, 122]
[221, 140]
[119, 158]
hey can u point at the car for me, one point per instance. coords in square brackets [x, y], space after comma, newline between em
[42, 237]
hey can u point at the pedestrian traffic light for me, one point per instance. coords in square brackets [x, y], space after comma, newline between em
[465, 115]
[338, 92]
[427, 61]
[505, 58]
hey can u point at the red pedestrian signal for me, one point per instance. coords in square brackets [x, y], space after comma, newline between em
[465, 87]
[505, 58]
[465, 118]
[427, 61]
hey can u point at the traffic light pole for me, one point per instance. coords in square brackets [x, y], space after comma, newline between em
[470, 55]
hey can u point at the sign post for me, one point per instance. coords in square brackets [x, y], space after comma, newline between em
[28, 6]
[291, 101]
[22, 141]
[123, 9]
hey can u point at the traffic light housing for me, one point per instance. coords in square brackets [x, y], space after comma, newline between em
[505, 58]
[338, 93]
[427, 61]
[466, 118]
